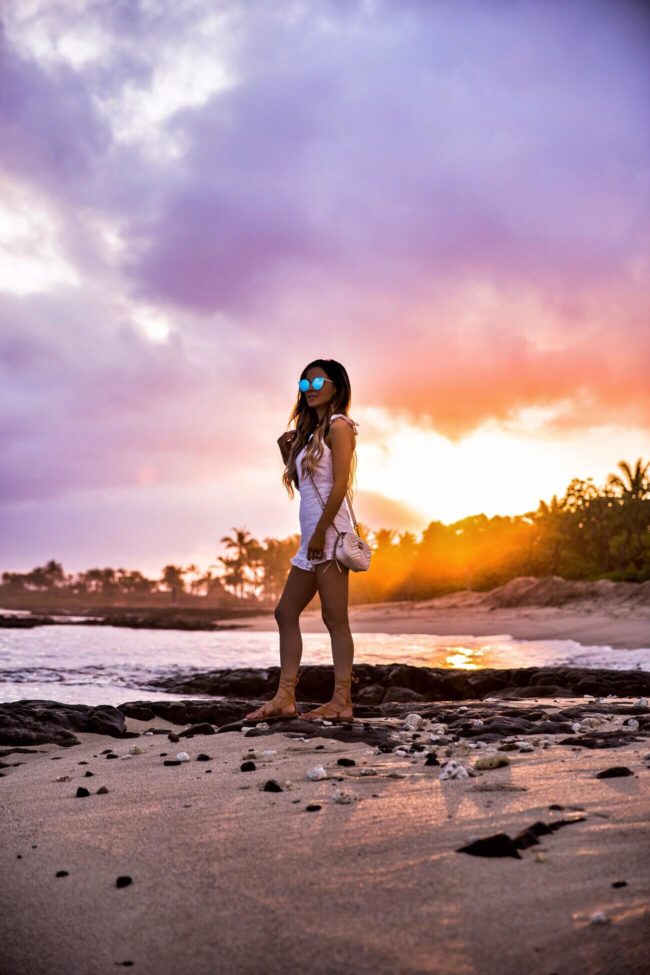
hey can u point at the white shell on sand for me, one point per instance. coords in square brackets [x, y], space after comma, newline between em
[599, 917]
[317, 772]
[413, 721]
[453, 770]
[343, 797]
[182, 757]
[437, 728]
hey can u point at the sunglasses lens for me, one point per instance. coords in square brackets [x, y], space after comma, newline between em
[318, 382]
[303, 385]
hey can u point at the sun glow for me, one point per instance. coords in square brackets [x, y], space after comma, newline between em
[501, 468]
[466, 657]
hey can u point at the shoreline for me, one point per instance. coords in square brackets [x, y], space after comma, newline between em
[619, 628]
[596, 613]
[229, 877]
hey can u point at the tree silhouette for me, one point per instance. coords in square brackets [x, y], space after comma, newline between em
[632, 528]
[244, 548]
[637, 485]
[588, 533]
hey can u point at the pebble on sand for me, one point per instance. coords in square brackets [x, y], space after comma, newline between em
[491, 762]
[340, 796]
[614, 772]
[272, 785]
[413, 721]
[599, 917]
[453, 770]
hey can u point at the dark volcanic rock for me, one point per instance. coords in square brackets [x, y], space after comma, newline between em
[432, 683]
[158, 619]
[401, 694]
[614, 772]
[502, 845]
[31, 722]
[24, 622]
[607, 739]
[197, 729]
[272, 785]
[365, 731]
[497, 845]
[170, 620]
[186, 712]
[34, 722]
[371, 694]
[534, 690]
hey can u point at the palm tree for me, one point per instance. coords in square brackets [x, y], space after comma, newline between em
[637, 486]
[275, 557]
[49, 576]
[245, 549]
[633, 513]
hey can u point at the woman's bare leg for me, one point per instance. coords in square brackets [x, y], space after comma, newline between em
[299, 590]
[333, 589]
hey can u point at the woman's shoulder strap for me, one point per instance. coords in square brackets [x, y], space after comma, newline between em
[348, 418]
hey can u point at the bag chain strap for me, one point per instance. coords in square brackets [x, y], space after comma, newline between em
[354, 520]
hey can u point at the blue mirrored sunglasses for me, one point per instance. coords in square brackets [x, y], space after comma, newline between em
[317, 383]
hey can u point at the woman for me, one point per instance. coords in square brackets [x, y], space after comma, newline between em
[322, 444]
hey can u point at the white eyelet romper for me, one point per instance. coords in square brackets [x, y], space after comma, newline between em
[311, 508]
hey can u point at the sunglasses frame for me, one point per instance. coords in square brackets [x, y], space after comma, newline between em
[310, 383]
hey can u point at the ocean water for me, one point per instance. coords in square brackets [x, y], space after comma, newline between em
[113, 664]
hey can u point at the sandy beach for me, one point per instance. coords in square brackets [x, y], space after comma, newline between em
[227, 877]
[592, 621]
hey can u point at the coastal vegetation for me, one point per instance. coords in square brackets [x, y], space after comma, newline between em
[589, 533]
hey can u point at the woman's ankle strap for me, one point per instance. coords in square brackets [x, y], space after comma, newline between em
[289, 680]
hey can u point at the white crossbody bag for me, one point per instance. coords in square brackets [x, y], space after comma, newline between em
[349, 549]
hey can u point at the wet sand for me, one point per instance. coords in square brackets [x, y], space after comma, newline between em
[592, 625]
[229, 878]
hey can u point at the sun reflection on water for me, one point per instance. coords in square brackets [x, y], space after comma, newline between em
[466, 657]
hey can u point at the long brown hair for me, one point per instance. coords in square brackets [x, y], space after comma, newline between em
[306, 423]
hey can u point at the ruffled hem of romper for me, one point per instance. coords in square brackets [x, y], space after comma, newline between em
[306, 564]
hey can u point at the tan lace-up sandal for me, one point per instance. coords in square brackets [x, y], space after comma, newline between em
[285, 698]
[340, 707]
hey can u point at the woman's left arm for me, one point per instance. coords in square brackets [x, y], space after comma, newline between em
[342, 439]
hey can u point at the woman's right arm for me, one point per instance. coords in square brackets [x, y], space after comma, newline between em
[284, 443]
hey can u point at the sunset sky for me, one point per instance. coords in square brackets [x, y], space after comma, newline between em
[199, 197]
